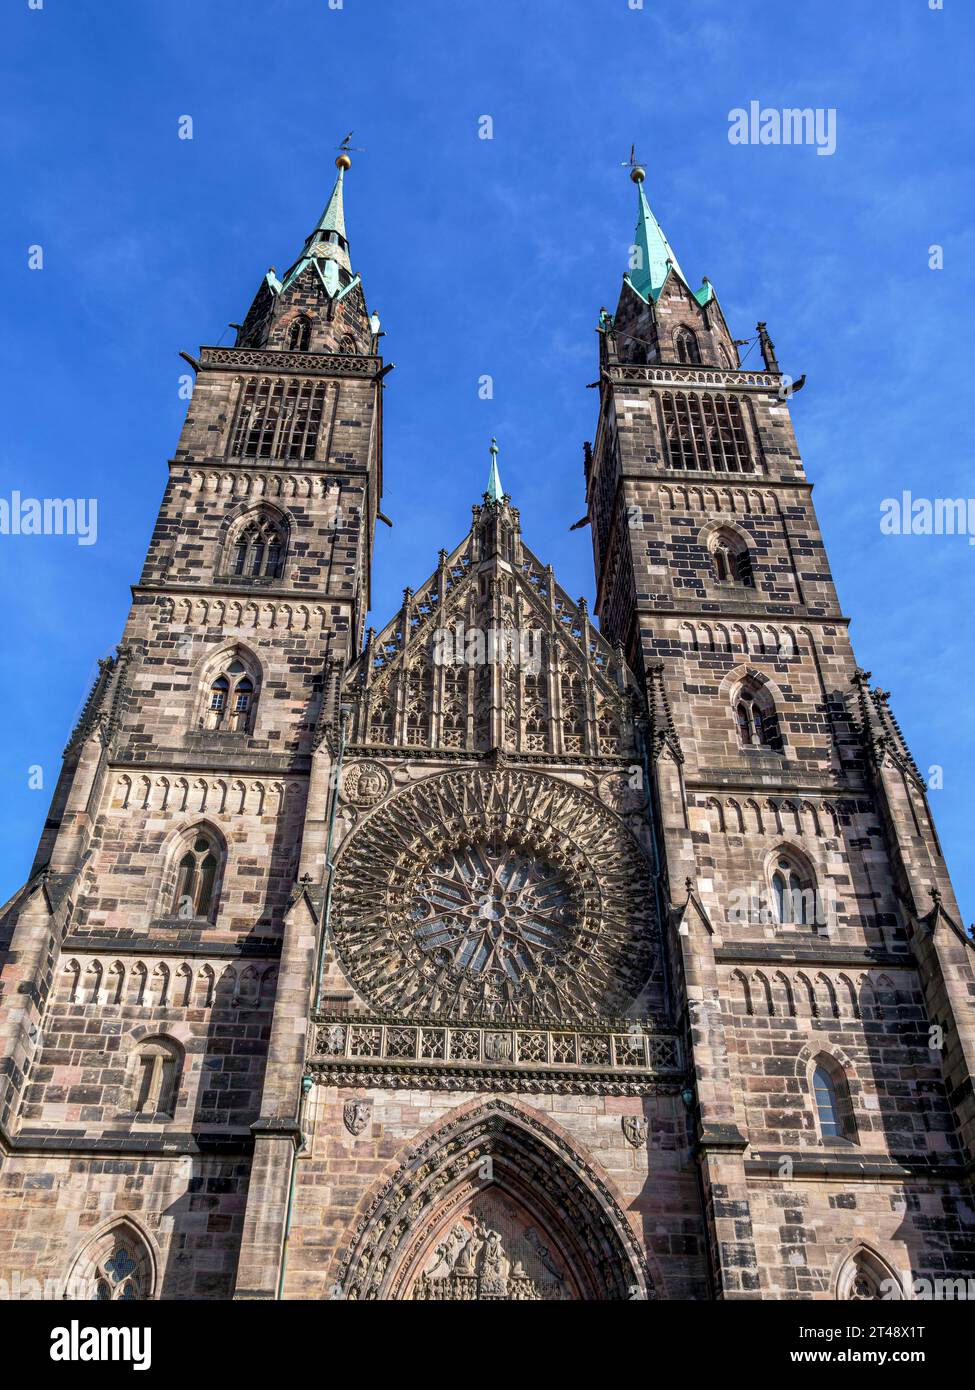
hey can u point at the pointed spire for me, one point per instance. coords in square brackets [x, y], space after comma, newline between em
[327, 244]
[333, 218]
[495, 492]
[655, 255]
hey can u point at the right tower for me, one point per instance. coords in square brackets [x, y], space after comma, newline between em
[820, 964]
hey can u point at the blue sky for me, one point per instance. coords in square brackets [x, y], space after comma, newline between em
[484, 256]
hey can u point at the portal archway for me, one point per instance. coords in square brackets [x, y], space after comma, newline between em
[494, 1204]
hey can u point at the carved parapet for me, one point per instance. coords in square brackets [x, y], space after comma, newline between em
[628, 1060]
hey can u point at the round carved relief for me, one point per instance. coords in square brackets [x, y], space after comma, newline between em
[365, 783]
[494, 894]
[617, 789]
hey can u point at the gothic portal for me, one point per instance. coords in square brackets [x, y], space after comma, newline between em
[510, 952]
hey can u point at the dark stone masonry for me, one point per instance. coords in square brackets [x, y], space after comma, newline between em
[618, 961]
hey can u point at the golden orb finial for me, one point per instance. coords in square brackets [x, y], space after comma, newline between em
[638, 173]
[343, 162]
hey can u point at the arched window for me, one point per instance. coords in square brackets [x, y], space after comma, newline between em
[731, 559]
[116, 1266]
[864, 1277]
[347, 345]
[685, 346]
[299, 335]
[794, 897]
[230, 702]
[831, 1100]
[757, 721]
[827, 1106]
[257, 549]
[158, 1064]
[196, 878]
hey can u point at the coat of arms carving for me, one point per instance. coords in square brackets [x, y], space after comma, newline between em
[357, 1114]
[497, 1047]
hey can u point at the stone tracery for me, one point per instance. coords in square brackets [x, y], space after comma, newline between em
[494, 895]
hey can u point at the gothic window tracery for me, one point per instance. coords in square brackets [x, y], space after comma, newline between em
[197, 877]
[730, 559]
[299, 334]
[115, 1267]
[686, 346]
[793, 891]
[756, 718]
[506, 918]
[230, 703]
[279, 419]
[866, 1278]
[705, 432]
[257, 548]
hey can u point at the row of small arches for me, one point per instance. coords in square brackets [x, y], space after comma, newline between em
[765, 640]
[166, 984]
[773, 816]
[723, 500]
[226, 484]
[232, 613]
[801, 994]
[218, 797]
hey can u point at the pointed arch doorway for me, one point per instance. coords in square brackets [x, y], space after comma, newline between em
[494, 1205]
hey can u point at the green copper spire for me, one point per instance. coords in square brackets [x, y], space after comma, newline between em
[495, 492]
[333, 218]
[327, 247]
[654, 253]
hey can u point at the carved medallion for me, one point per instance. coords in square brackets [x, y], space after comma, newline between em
[635, 1130]
[356, 1114]
[495, 894]
[623, 790]
[365, 783]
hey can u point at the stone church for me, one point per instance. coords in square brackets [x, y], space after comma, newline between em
[511, 951]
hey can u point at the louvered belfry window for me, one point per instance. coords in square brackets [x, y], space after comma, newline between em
[279, 420]
[706, 432]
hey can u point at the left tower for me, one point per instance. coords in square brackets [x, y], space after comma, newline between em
[139, 961]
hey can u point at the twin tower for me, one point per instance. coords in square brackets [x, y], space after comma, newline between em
[617, 961]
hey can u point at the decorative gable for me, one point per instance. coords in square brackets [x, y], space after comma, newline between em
[492, 653]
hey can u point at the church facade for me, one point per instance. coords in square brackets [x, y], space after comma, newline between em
[511, 952]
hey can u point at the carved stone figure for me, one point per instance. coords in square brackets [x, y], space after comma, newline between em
[635, 1130]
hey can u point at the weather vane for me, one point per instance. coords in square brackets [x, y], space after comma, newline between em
[345, 150]
[638, 171]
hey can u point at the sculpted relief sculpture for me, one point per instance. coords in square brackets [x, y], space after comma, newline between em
[492, 1252]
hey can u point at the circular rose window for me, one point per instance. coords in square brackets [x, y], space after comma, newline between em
[492, 910]
[494, 895]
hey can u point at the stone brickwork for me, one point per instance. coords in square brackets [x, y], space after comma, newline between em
[611, 964]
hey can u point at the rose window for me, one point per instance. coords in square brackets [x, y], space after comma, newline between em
[482, 895]
[492, 910]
